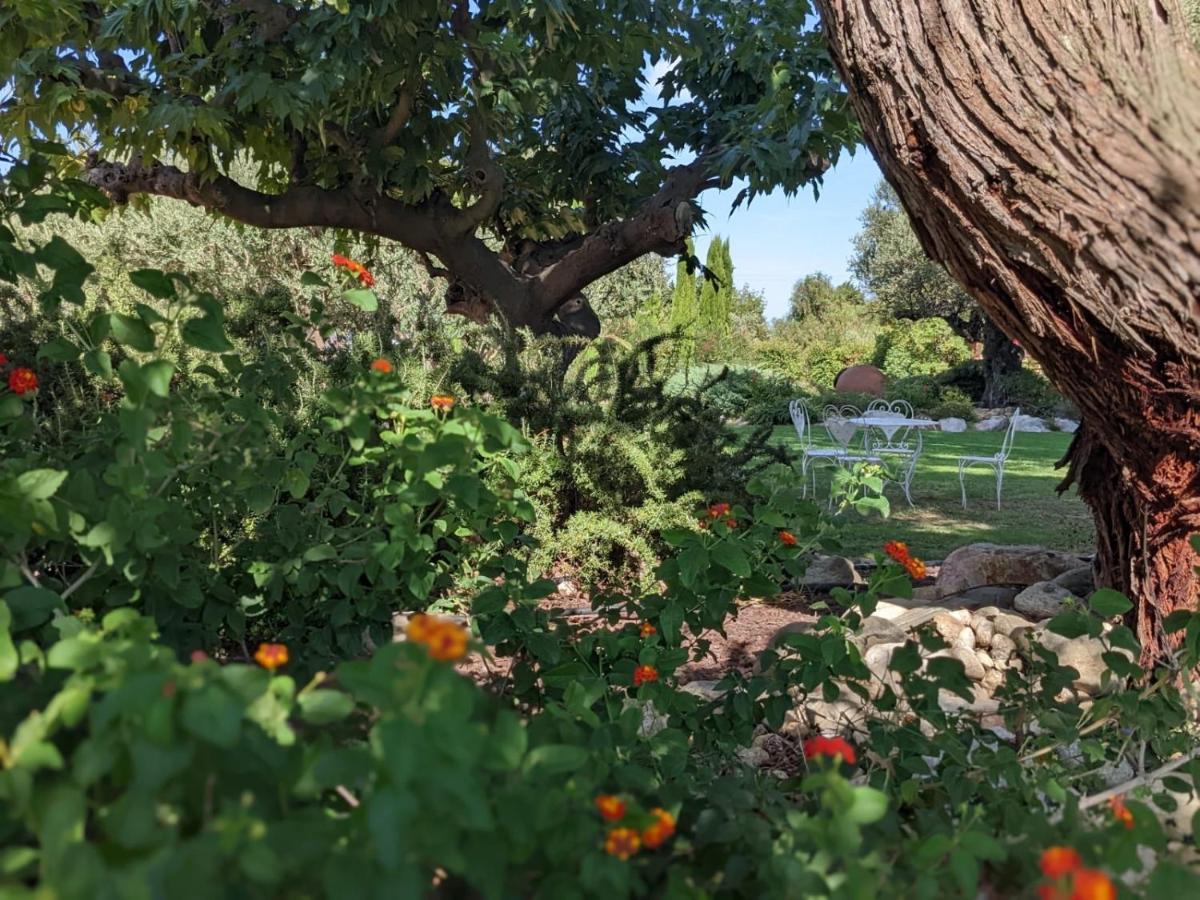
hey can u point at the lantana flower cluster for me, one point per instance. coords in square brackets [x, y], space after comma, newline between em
[898, 550]
[626, 837]
[1068, 879]
[357, 269]
[446, 641]
[20, 380]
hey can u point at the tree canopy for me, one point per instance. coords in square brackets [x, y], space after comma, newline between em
[521, 146]
[815, 294]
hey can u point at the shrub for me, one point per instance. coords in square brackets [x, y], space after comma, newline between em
[921, 347]
[1036, 395]
[742, 394]
[967, 377]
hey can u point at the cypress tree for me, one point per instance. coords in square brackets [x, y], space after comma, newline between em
[684, 310]
[711, 285]
[727, 289]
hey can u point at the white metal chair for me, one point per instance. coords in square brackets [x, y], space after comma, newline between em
[897, 442]
[809, 454]
[996, 462]
[841, 431]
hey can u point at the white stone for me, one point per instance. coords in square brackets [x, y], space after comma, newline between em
[755, 757]
[1070, 426]
[991, 423]
[965, 639]
[1045, 600]
[986, 658]
[952, 425]
[1030, 423]
[984, 629]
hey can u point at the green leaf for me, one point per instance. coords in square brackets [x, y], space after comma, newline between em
[323, 707]
[509, 742]
[31, 606]
[556, 759]
[157, 375]
[154, 282]
[730, 556]
[40, 484]
[8, 652]
[58, 350]
[363, 299]
[867, 805]
[1178, 620]
[98, 363]
[212, 714]
[296, 482]
[1070, 624]
[1107, 603]
[131, 331]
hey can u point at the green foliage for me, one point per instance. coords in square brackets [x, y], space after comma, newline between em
[924, 347]
[1035, 394]
[715, 304]
[813, 350]
[741, 394]
[815, 296]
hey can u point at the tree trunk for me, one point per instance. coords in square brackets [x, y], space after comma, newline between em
[1047, 153]
[1001, 358]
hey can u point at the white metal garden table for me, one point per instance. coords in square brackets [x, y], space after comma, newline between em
[896, 442]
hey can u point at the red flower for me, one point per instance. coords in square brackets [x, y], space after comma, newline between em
[1059, 861]
[897, 550]
[1092, 884]
[731, 523]
[199, 656]
[622, 843]
[357, 269]
[612, 809]
[271, 656]
[835, 748]
[21, 381]
[382, 365]
[1120, 811]
[3, 360]
[787, 538]
[717, 510]
[647, 629]
[656, 835]
[916, 569]
[644, 674]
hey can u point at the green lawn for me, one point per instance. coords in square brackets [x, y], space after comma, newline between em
[1032, 513]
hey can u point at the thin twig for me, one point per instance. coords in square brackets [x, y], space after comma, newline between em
[1138, 780]
[80, 581]
[350, 799]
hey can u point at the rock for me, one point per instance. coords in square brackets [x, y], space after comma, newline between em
[1001, 595]
[879, 657]
[1080, 582]
[705, 690]
[981, 704]
[984, 629]
[992, 679]
[1003, 647]
[822, 717]
[991, 423]
[985, 659]
[1031, 423]
[1083, 654]
[1044, 600]
[1070, 426]
[652, 720]
[880, 631]
[952, 425]
[790, 628]
[971, 664]
[965, 639]
[753, 756]
[889, 611]
[860, 380]
[947, 626]
[831, 570]
[1008, 624]
[976, 565]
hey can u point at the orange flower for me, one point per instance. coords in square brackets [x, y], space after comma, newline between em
[22, 381]
[836, 748]
[717, 510]
[656, 835]
[1092, 884]
[647, 629]
[1059, 861]
[1053, 892]
[444, 640]
[916, 569]
[731, 523]
[897, 550]
[1120, 811]
[644, 674]
[622, 843]
[382, 365]
[357, 269]
[611, 808]
[443, 402]
[787, 538]
[271, 656]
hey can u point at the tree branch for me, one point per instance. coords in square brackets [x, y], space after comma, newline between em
[301, 205]
[484, 174]
[401, 113]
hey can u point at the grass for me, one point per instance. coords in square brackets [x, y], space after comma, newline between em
[1031, 512]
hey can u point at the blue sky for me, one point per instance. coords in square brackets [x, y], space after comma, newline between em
[779, 239]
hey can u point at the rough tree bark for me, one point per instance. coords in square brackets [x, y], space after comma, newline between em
[1047, 154]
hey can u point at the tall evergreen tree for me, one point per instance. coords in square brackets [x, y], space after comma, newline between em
[684, 309]
[729, 289]
[711, 285]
